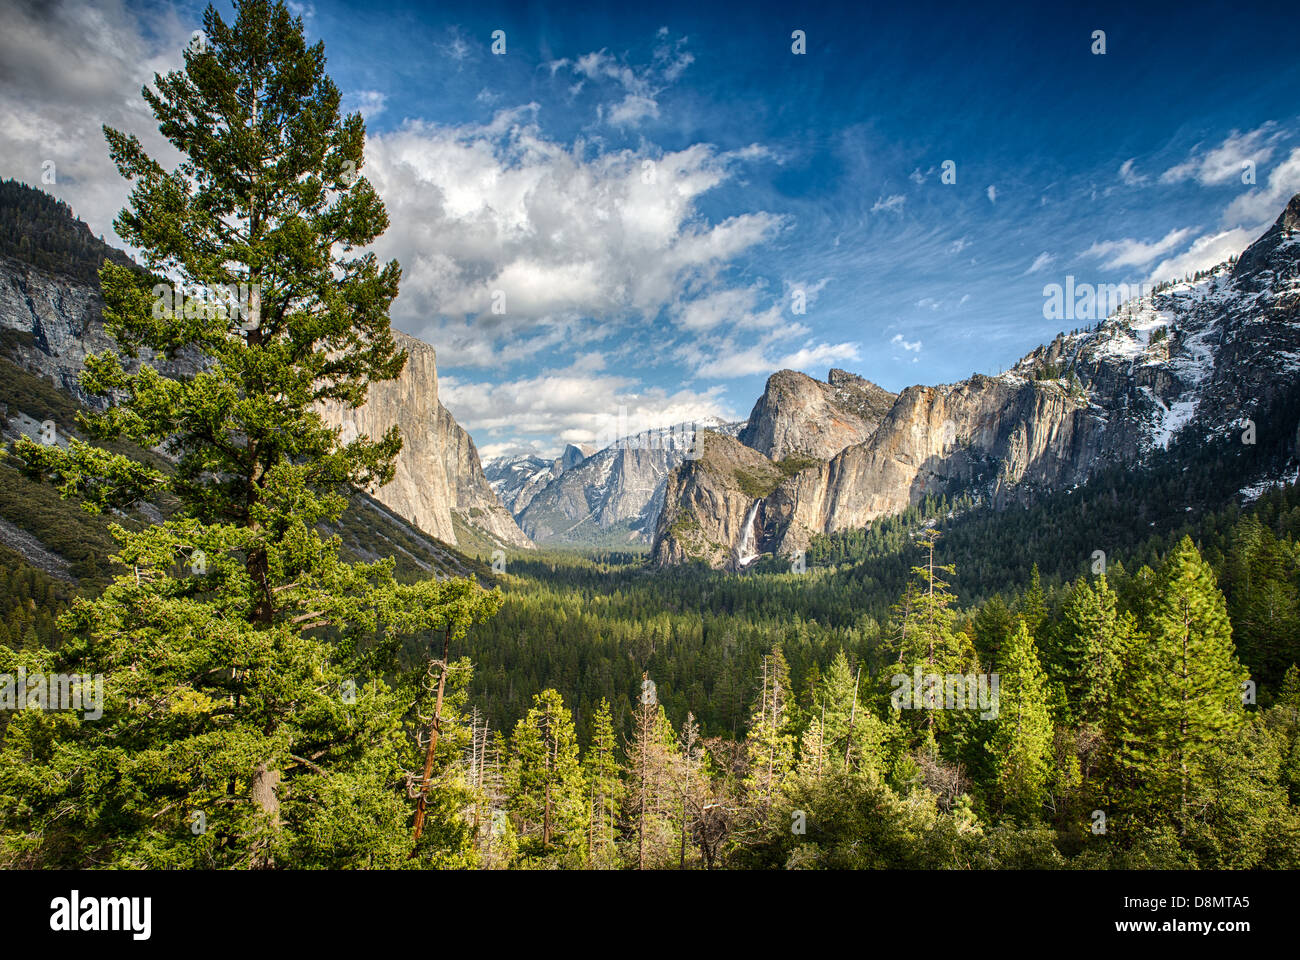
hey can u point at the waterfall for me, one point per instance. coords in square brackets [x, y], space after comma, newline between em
[746, 552]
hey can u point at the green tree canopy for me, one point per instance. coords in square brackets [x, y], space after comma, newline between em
[255, 710]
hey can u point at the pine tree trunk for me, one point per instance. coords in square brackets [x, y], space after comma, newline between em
[434, 729]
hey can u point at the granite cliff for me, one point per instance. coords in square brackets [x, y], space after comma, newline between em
[1203, 355]
[798, 416]
[438, 478]
[611, 497]
[52, 321]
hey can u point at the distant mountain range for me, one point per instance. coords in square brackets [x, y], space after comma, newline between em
[518, 479]
[817, 457]
[609, 497]
[1213, 354]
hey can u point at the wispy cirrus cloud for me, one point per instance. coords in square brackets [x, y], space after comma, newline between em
[1129, 176]
[891, 204]
[1119, 254]
[1239, 159]
[1262, 204]
[1041, 262]
[1228, 160]
[640, 84]
[1205, 251]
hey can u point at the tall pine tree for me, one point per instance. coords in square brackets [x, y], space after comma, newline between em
[256, 712]
[1022, 738]
[1180, 696]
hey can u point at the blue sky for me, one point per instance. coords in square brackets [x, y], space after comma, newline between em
[643, 187]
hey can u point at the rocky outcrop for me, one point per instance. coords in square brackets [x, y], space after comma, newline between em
[58, 322]
[711, 504]
[574, 454]
[437, 474]
[798, 416]
[613, 496]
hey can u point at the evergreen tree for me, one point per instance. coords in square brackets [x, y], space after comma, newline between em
[815, 755]
[930, 640]
[993, 625]
[1264, 599]
[545, 781]
[1285, 719]
[853, 734]
[1032, 605]
[1180, 696]
[1094, 635]
[769, 744]
[604, 788]
[1022, 738]
[255, 709]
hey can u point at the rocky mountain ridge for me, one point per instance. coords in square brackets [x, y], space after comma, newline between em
[1203, 355]
[615, 495]
[798, 416]
[437, 477]
[517, 479]
[52, 321]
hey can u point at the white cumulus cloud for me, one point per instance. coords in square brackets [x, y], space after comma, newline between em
[496, 213]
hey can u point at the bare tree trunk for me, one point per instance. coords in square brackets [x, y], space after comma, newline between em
[434, 729]
[640, 838]
[821, 736]
[681, 862]
[853, 715]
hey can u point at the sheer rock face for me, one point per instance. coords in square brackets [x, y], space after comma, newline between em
[437, 474]
[473, 498]
[708, 512]
[798, 416]
[419, 490]
[1201, 356]
[1006, 437]
[64, 317]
